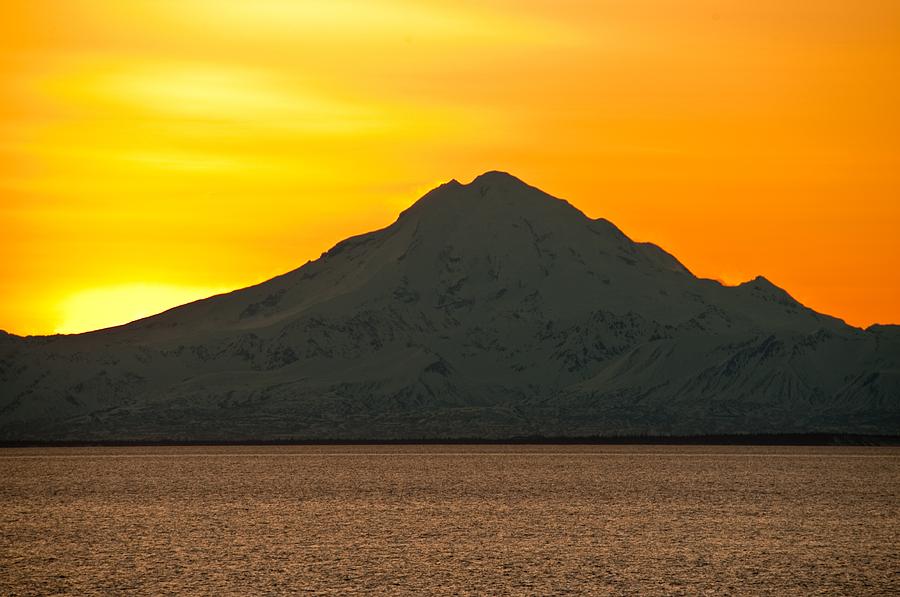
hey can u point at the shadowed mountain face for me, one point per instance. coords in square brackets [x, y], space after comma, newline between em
[486, 310]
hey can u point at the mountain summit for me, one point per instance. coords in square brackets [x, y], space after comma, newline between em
[489, 310]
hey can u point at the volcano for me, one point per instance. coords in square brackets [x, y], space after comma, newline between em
[487, 310]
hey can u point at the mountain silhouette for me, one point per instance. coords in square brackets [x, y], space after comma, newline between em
[489, 310]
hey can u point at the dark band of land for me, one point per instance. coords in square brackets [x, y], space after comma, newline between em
[763, 439]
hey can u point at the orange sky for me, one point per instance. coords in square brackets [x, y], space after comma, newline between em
[153, 152]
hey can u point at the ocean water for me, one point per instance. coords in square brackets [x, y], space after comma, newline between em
[487, 520]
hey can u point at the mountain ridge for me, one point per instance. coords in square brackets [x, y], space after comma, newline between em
[487, 309]
[486, 178]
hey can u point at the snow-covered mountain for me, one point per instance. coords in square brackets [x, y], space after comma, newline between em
[490, 310]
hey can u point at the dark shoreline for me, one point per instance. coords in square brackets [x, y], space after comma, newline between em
[761, 439]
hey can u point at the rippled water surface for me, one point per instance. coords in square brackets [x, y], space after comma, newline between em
[450, 519]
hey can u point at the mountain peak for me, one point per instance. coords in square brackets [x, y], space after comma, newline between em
[762, 282]
[763, 287]
[492, 195]
[496, 177]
